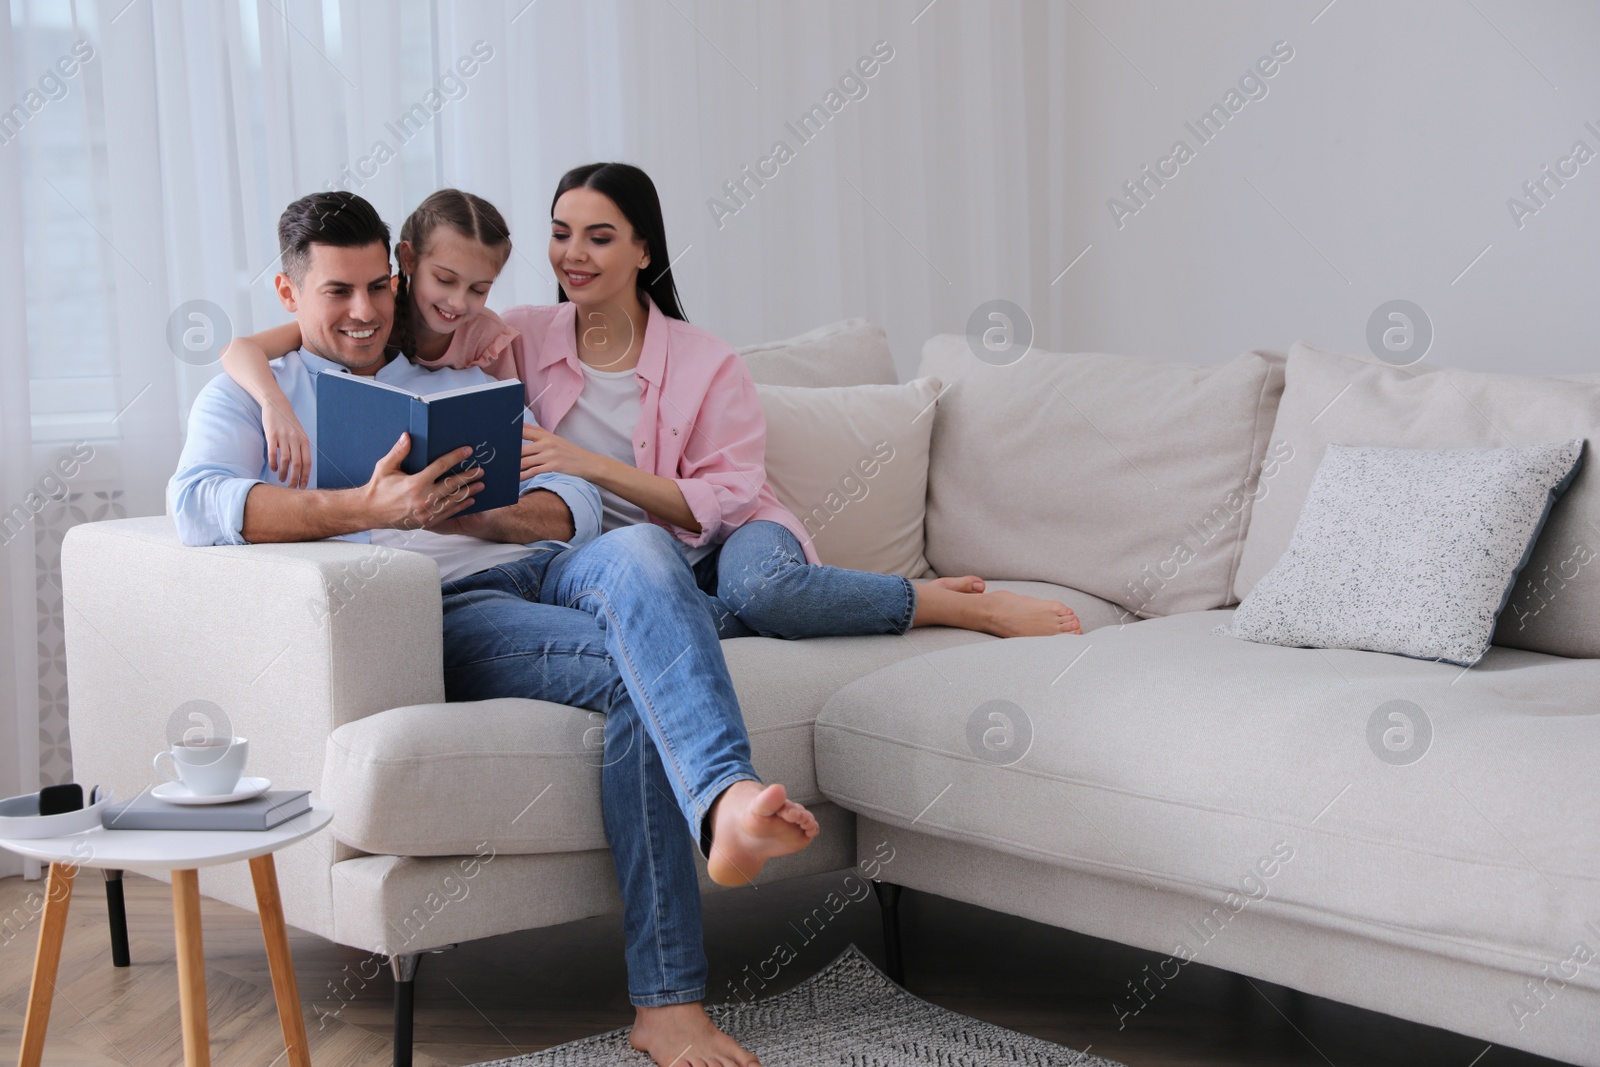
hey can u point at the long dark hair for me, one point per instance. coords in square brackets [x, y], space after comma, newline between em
[634, 193]
[469, 215]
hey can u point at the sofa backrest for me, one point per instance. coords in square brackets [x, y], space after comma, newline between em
[1353, 400]
[851, 352]
[1132, 479]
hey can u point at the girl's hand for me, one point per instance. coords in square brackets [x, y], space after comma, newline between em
[544, 452]
[288, 447]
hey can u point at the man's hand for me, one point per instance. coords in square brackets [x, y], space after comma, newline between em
[401, 501]
[483, 524]
[538, 516]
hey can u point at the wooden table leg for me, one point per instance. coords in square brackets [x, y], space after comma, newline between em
[58, 894]
[284, 988]
[191, 969]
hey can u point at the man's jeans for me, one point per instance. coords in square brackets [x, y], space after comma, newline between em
[617, 626]
[758, 583]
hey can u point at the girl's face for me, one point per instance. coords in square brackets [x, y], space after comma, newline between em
[594, 251]
[450, 280]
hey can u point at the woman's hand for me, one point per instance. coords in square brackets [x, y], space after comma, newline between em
[544, 452]
[288, 447]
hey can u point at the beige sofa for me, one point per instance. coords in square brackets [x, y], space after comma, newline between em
[1150, 782]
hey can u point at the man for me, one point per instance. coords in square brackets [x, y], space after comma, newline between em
[535, 605]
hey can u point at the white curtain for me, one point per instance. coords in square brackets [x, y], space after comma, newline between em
[19, 705]
[151, 176]
[892, 209]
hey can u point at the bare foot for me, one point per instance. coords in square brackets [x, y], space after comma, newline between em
[683, 1035]
[962, 602]
[751, 824]
[1008, 614]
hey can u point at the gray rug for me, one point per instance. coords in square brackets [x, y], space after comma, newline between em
[849, 1015]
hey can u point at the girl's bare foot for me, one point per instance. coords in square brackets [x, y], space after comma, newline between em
[962, 602]
[683, 1035]
[751, 824]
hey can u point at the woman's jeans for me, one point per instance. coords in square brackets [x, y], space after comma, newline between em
[759, 585]
[617, 626]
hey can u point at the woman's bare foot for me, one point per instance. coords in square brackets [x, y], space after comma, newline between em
[1007, 614]
[751, 824]
[683, 1035]
[969, 583]
[962, 602]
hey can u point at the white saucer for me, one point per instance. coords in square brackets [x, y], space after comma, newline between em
[177, 793]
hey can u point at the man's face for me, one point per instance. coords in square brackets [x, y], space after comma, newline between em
[345, 305]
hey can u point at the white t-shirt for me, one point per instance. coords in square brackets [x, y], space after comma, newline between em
[457, 555]
[603, 420]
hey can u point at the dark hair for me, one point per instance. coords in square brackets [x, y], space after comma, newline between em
[341, 219]
[470, 216]
[634, 193]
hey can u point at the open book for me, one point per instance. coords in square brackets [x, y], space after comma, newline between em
[359, 419]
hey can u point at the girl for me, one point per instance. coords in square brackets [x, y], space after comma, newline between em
[661, 416]
[451, 249]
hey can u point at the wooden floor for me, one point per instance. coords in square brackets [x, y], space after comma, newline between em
[524, 992]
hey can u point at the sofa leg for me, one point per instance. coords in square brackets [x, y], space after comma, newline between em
[889, 901]
[117, 912]
[404, 968]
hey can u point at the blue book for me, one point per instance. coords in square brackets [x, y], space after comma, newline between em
[359, 419]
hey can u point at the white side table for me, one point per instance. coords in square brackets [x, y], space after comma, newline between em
[182, 852]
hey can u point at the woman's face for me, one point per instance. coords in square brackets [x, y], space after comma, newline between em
[594, 251]
[450, 280]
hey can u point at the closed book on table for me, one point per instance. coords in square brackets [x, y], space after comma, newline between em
[270, 809]
[359, 419]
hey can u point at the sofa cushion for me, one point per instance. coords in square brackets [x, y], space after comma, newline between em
[1161, 753]
[1132, 479]
[524, 775]
[852, 464]
[852, 352]
[1408, 550]
[1331, 398]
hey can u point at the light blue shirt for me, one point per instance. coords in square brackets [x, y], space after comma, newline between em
[225, 453]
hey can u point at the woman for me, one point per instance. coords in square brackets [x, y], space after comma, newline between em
[663, 417]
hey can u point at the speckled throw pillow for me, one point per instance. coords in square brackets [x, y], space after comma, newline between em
[1407, 550]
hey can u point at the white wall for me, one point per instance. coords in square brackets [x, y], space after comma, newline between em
[1378, 166]
[1390, 144]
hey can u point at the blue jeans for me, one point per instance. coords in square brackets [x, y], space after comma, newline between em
[617, 626]
[758, 583]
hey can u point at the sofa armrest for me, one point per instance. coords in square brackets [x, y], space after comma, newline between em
[289, 641]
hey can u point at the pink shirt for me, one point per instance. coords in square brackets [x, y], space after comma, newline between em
[700, 421]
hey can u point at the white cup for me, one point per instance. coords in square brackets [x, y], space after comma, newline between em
[206, 766]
